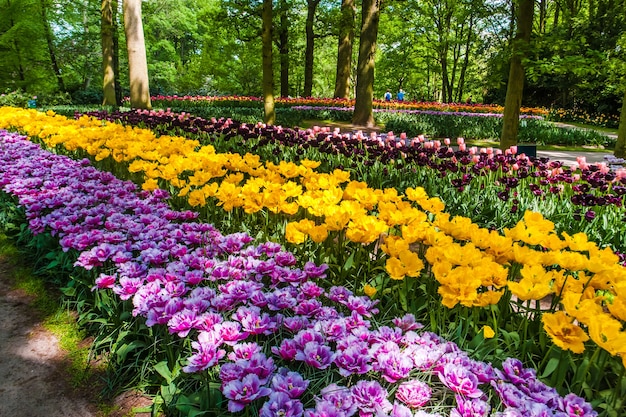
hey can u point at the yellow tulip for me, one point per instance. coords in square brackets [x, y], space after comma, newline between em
[563, 332]
[488, 332]
[369, 290]
[293, 235]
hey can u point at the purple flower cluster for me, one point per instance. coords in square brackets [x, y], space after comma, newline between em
[250, 312]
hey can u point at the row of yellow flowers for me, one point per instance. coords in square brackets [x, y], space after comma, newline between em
[473, 266]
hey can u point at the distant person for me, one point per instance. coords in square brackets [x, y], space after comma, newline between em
[400, 95]
[469, 100]
[388, 96]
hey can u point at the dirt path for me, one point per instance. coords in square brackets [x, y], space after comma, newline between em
[34, 379]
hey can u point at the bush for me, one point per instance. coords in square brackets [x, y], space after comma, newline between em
[16, 98]
[89, 96]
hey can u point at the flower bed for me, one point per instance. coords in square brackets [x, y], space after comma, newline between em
[240, 101]
[529, 262]
[275, 337]
[576, 200]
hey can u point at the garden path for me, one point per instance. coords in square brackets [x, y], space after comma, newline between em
[34, 376]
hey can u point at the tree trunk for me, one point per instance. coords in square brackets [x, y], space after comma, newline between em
[108, 61]
[363, 108]
[310, 47]
[283, 47]
[48, 34]
[620, 144]
[344, 51]
[137, 61]
[515, 86]
[116, 53]
[468, 45]
[268, 76]
[20, 67]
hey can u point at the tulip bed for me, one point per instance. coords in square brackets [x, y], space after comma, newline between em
[280, 102]
[576, 200]
[313, 315]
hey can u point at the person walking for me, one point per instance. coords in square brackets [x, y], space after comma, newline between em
[400, 95]
[388, 96]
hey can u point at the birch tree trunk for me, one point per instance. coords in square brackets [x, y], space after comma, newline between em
[137, 61]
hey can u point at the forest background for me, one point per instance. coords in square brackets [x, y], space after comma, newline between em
[435, 50]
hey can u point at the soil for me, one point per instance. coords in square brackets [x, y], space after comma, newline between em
[34, 377]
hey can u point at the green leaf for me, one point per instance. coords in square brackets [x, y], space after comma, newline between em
[164, 371]
[127, 348]
[168, 392]
[551, 366]
[349, 262]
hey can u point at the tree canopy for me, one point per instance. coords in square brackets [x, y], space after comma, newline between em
[436, 50]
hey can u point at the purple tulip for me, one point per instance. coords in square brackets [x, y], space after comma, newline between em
[354, 359]
[244, 351]
[407, 323]
[460, 380]
[317, 355]
[371, 398]
[280, 404]
[289, 382]
[414, 393]
[470, 407]
[207, 353]
[243, 392]
[340, 397]
[575, 406]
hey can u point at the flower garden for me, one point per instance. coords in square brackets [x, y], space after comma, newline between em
[261, 270]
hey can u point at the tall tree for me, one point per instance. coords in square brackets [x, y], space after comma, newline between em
[515, 87]
[108, 55]
[310, 47]
[137, 61]
[344, 50]
[363, 107]
[44, 6]
[283, 47]
[620, 144]
[268, 75]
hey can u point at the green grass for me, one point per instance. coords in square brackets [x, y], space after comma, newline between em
[592, 127]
